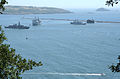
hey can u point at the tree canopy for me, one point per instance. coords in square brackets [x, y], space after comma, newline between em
[112, 2]
[11, 64]
[115, 68]
[2, 3]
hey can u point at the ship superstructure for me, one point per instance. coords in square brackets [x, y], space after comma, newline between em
[90, 21]
[36, 21]
[77, 22]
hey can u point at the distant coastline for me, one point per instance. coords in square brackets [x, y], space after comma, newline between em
[33, 10]
[102, 9]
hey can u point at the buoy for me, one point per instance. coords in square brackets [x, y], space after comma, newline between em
[26, 38]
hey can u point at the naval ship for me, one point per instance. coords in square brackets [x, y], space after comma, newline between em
[36, 21]
[77, 22]
[90, 21]
[17, 26]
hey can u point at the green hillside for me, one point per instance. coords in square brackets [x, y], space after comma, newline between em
[33, 10]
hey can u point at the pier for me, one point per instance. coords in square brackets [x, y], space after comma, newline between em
[73, 20]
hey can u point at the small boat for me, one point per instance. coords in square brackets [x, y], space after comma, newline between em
[26, 38]
[77, 22]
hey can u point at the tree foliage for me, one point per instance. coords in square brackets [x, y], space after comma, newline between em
[115, 68]
[11, 64]
[2, 3]
[112, 2]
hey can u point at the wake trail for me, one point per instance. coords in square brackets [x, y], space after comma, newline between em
[67, 74]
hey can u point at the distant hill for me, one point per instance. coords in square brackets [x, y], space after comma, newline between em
[33, 10]
[102, 9]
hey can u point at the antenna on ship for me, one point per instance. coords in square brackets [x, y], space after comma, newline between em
[19, 23]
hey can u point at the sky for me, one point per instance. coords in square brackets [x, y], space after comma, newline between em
[70, 4]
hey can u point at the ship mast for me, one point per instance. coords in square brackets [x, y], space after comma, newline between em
[19, 23]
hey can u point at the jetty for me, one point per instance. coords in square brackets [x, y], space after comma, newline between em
[74, 20]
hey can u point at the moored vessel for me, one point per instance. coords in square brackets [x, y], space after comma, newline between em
[90, 21]
[17, 26]
[77, 22]
[36, 21]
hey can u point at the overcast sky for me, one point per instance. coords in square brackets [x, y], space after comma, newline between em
[62, 3]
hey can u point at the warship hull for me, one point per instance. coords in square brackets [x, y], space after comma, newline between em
[17, 26]
[78, 23]
[90, 21]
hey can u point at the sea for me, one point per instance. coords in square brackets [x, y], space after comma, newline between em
[67, 51]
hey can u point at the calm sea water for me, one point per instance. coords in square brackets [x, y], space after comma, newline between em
[64, 48]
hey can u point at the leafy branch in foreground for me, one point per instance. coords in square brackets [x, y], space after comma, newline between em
[115, 68]
[12, 65]
[2, 3]
[111, 2]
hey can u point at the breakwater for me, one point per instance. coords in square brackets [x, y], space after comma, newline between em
[73, 20]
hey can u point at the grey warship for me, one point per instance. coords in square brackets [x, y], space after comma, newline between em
[77, 22]
[90, 21]
[36, 21]
[17, 26]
